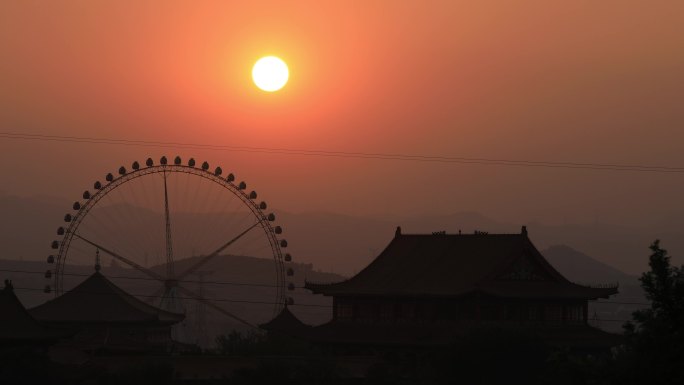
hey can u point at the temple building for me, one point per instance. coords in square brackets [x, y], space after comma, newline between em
[102, 317]
[17, 327]
[427, 289]
[285, 323]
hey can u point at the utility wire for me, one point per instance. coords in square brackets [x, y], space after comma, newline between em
[622, 303]
[263, 302]
[152, 279]
[188, 298]
[346, 154]
[247, 284]
[609, 320]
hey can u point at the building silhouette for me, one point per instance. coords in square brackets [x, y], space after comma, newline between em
[286, 323]
[431, 289]
[102, 317]
[17, 326]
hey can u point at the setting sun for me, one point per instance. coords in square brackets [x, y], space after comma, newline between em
[270, 73]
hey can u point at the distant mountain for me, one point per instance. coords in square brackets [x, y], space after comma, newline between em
[608, 314]
[29, 225]
[346, 244]
[321, 243]
[244, 286]
[623, 247]
[581, 268]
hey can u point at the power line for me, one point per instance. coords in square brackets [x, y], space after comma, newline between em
[249, 284]
[623, 303]
[347, 154]
[152, 279]
[263, 302]
[186, 298]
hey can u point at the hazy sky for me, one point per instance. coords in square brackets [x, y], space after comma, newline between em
[571, 81]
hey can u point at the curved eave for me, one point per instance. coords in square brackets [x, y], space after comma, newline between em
[323, 288]
[166, 317]
[604, 293]
[90, 303]
[567, 292]
[598, 292]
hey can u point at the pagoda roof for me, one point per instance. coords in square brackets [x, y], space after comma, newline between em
[448, 265]
[16, 324]
[285, 322]
[98, 300]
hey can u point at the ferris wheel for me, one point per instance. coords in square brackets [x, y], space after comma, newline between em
[166, 222]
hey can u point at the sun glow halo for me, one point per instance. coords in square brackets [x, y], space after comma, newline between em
[270, 73]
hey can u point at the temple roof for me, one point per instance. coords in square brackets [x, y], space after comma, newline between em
[16, 324]
[285, 322]
[439, 264]
[98, 300]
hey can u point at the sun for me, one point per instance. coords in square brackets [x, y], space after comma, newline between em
[270, 73]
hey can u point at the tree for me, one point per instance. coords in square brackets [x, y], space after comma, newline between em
[654, 351]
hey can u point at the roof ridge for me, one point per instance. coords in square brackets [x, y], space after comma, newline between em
[131, 308]
[446, 264]
[133, 301]
[462, 234]
[14, 313]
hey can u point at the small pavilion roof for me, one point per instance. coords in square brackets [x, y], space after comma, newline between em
[98, 300]
[447, 265]
[285, 322]
[16, 324]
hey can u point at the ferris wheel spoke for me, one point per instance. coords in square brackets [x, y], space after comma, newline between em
[122, 259]
[156, 295]
[214, 306]
[136, 215]
[209, 257]
[169, 244]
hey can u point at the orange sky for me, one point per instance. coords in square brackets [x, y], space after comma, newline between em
[582, 81]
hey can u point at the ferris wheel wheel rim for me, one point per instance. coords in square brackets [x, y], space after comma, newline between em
[138, 170]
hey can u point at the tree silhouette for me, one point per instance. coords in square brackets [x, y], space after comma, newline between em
[654, 351]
